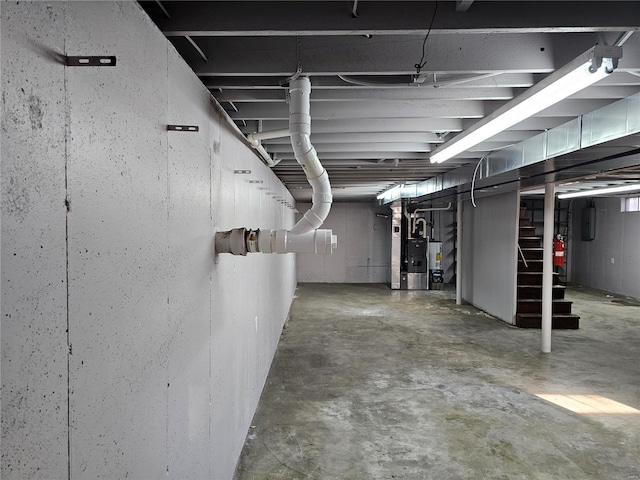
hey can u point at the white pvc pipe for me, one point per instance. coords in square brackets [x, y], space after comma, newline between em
[265, 155]
[283, 241]
[434, 209]
[225, 116]
[268, 135]
[412, 217]
[300, 130]
[424, 226]
[547, 267]
[459, 251]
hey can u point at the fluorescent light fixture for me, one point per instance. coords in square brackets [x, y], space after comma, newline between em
[601, 191]
[587, 69]
[391, 192]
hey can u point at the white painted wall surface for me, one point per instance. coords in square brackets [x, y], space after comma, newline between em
[167, 351]
[611, 262]
[489, 254]
[364, 246]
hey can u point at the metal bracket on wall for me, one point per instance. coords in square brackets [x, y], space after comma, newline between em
[242, 172]
[109, 61]
[183, 128]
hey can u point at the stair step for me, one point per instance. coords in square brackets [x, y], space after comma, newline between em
[526, 231]
[535, 306]
[558, 321]
[532, 265]
[532, 278]
[525, 222]
[530, 242]
[532, 253]
[534, 292]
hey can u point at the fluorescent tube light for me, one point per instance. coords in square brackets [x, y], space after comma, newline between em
[391, 192]
[587, 69]
[601, 191]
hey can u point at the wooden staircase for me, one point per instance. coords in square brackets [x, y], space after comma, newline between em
[529, 309]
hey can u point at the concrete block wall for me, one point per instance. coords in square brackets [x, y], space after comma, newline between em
[364, 246]
[489, 254]
[611, 261]
[127, 350]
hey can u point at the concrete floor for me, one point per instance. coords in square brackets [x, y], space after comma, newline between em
[369, 383]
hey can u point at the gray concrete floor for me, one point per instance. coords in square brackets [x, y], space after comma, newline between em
[369, 383]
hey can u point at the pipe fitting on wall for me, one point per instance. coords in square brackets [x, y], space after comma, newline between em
[241, 241]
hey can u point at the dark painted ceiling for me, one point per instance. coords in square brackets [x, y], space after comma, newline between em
[392, 80]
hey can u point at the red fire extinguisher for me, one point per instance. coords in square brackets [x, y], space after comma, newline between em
[558, 251]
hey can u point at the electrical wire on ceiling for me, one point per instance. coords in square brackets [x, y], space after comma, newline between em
[296, 75]
[420, 65]
[473, 180]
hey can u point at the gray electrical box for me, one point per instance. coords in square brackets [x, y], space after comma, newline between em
[588, 224]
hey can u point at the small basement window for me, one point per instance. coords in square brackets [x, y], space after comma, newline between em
[630, 204]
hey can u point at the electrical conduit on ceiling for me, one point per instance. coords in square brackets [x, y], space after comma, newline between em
[304, 237]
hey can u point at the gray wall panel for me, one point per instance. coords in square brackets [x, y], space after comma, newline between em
[610, 262]
[190, 266]
[119, 262]
[170, 347]
[364, 242]
[490, 254]
[34, 285]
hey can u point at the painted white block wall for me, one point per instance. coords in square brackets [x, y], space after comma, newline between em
[489, 254]
[611, 262]
[364, 246]
[126, 350]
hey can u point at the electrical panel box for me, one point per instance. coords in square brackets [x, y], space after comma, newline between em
[588, 224]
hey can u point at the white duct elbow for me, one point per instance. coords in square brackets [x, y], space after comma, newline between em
[322, 199]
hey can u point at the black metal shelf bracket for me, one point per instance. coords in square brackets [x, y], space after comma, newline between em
[88, 61]
[183, 128]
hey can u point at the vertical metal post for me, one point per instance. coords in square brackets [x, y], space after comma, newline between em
[547, 266]
[396, 244]
[459, 250]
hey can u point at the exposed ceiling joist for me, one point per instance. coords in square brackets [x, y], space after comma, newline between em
[374, 117]
[359, 94]
[364, 109]
[394, 55]
[264, 18]
[463, 5]
[394, 82]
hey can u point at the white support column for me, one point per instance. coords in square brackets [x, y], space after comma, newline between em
[459, 251]
[547, 266]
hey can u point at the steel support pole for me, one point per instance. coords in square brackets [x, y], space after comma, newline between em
[547, 266]
[459, 251]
